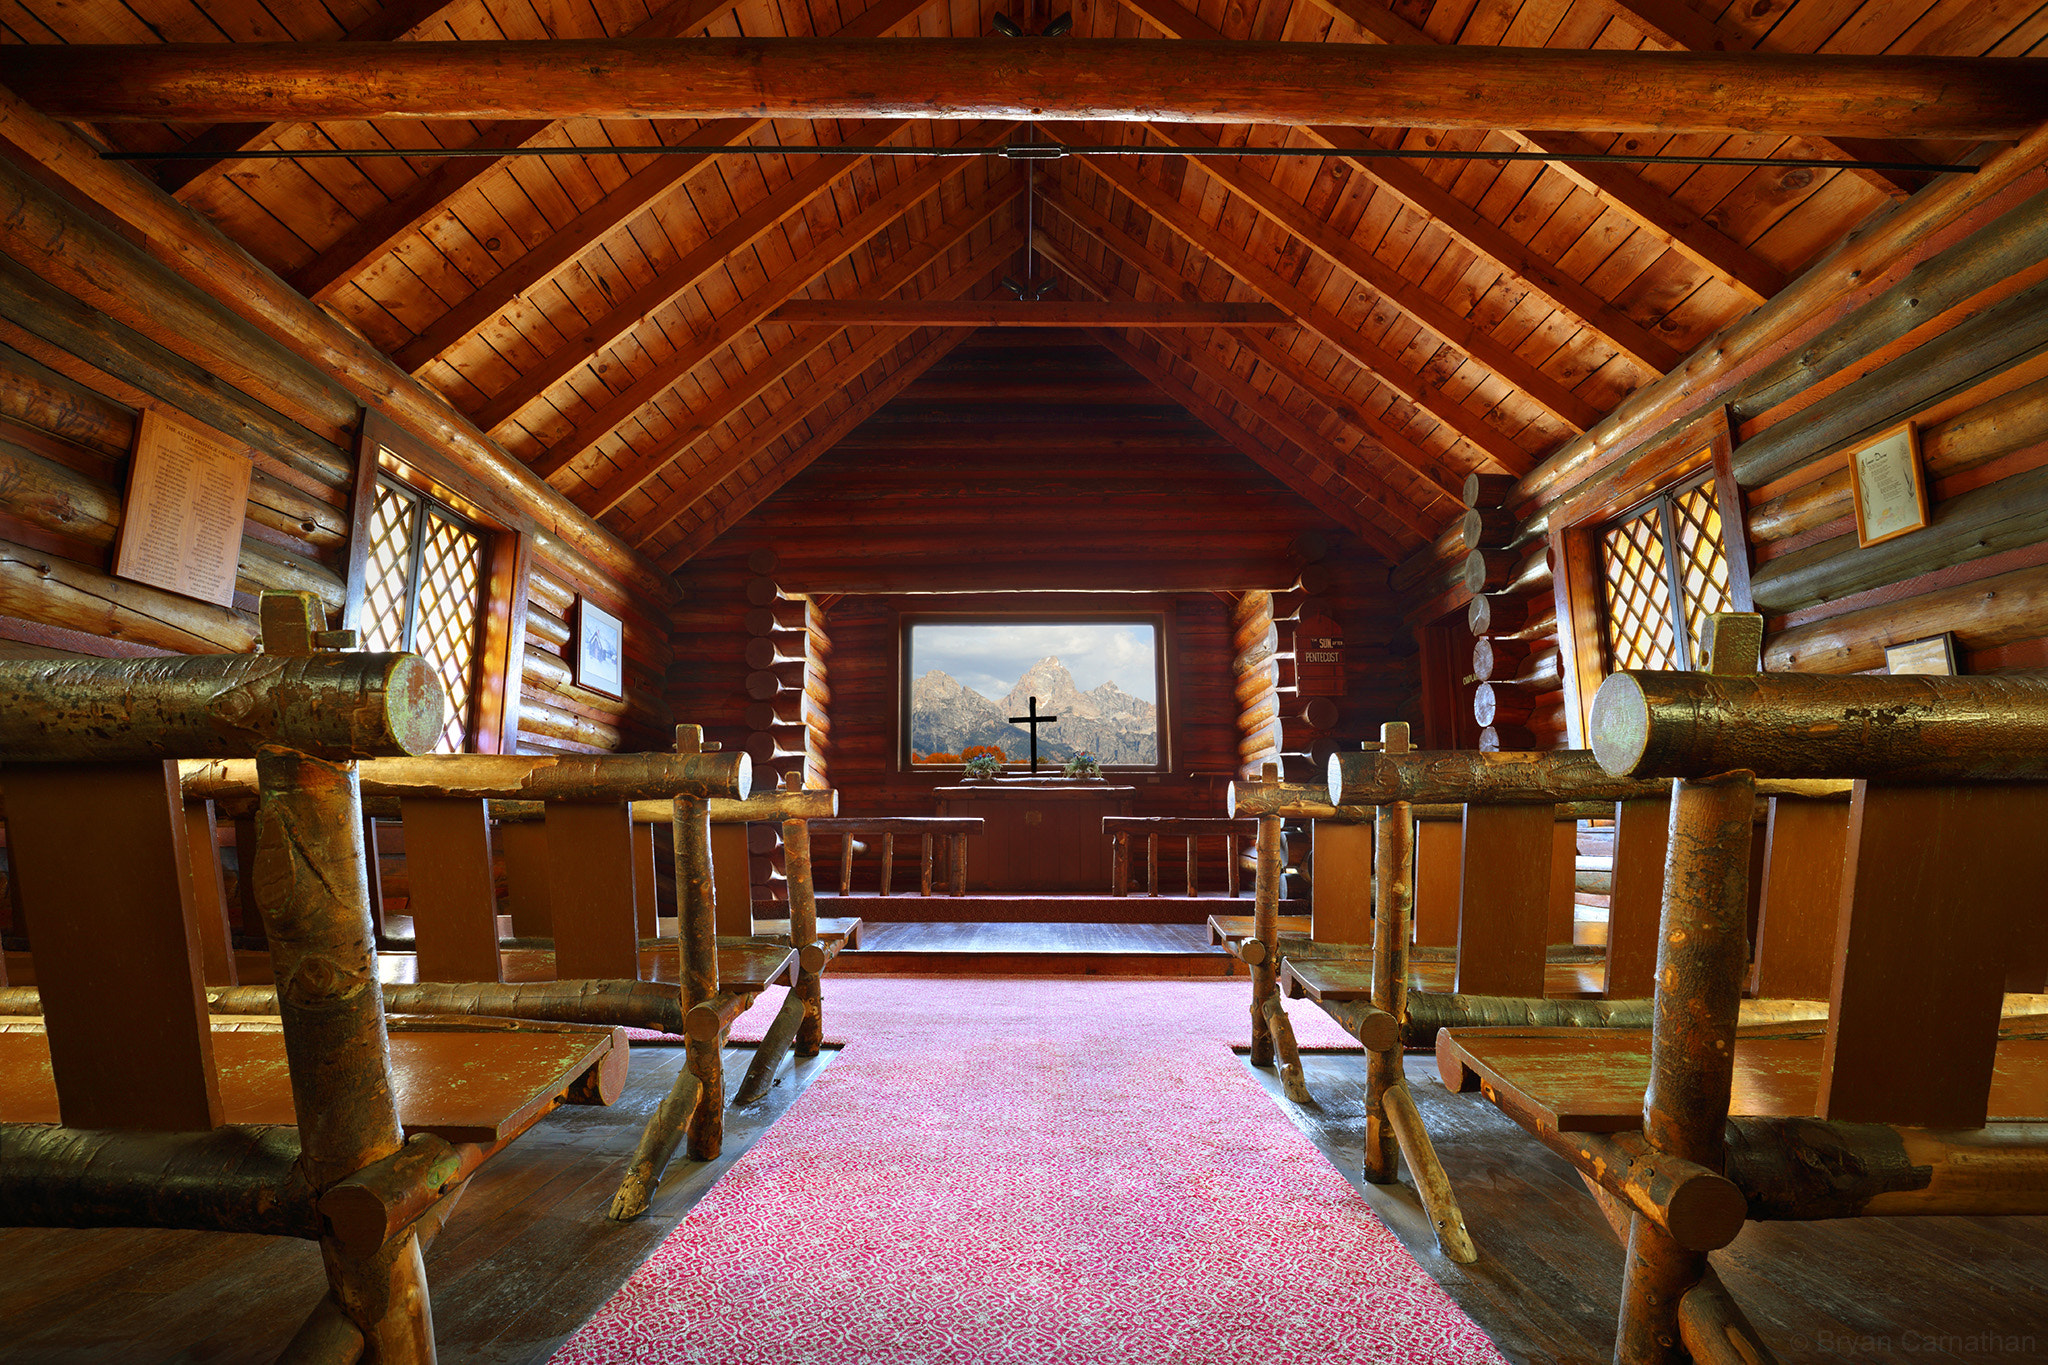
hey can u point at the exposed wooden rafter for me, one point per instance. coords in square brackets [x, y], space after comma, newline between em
[373, 236]
[1018, 313]
[1309, 312]
[785, 361]
[873, 219]
[1572, 90]
[643, 191]
[1326, 461]
[1674, 25]
[1164, 276]
[1436, 317]
[745, 500]
[1648, 206]
[185, 179]
[634, 310]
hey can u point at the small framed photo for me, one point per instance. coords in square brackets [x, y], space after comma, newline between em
[1936, 654]
[600, 650]
[1889, 488]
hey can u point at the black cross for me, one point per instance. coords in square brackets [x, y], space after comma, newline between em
[1034, 720]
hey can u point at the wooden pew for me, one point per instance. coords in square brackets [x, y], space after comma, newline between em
[1507, 966]
[942, 841]
[594, 966]
[1121, 829]
[1915, 1096]
[121, 1106]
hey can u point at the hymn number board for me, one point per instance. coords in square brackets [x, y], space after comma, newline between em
[1318, 653]
[181, 524]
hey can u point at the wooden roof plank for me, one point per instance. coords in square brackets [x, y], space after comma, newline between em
[1307, 313]
[641, 192]
[1140, 257]
[185, 179]
[671, 284]
[785, 360]
[1345, 254]
[873, 219]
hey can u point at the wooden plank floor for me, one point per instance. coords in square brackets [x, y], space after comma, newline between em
[1877, 1291]
[526, 1258]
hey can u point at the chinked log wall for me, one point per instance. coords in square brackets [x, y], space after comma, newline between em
[1935, 312]
[92, 330]
[852, 721]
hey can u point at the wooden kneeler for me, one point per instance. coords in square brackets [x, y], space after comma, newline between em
[1915, 1090]
[114, 1114]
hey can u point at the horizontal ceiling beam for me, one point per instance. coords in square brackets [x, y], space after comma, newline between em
[1017, 313]
[1125, 79]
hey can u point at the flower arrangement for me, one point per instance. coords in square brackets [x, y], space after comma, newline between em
[984, 767]
[1083, 765]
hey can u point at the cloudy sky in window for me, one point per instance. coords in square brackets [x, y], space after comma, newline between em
[991, 657]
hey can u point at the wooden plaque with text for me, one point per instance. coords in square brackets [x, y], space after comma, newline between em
[181, 524]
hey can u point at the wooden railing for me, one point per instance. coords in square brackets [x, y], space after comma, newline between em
[1121, 829]
[942, 835]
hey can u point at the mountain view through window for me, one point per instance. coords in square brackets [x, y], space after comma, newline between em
[1100, 678]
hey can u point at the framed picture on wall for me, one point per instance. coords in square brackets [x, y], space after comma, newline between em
[1936, 654]
[1890, 491]
[600, 650]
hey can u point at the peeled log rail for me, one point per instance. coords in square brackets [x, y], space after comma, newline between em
[1799, 725]
[97, 710]
[619, 1004]
[1453, 776]
[1194, 81]
[2002, 516]
[232, 1179]
[509, 777]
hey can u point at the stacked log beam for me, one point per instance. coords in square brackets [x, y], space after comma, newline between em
[1512, 615]
[1933, 313]
[752, 661]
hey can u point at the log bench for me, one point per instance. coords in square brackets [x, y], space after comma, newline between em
[942, 845]
[593, 964]
[1121, 829]
[122, 1105]
[1914, 1096]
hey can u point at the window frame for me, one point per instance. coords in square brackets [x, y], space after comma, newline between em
[1163, 644]
[388, 454]
[1696, 453]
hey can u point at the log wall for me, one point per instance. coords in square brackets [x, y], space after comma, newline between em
[93, 330]
[1935, 312]
[1098, 495]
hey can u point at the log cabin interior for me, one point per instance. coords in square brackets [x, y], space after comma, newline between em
[1138, 681]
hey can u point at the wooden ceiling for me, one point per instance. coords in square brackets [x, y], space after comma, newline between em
[610, 318]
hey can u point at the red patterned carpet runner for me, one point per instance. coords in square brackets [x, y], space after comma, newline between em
[1033, 1172]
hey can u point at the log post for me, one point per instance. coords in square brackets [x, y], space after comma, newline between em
[924, 866]
[1266, 929]
[1194, 865]
[1702, 960]
[1286, 1050]
[1230, 868]
[888, 860]
[803, 930]
[313, 891]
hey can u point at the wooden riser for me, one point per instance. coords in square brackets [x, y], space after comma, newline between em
[1133, 909]
[907, 962]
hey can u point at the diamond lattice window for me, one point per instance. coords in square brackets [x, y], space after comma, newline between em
[424, 593]
[1665, 568]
